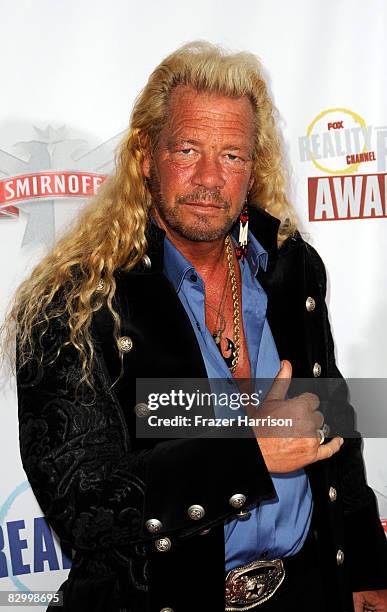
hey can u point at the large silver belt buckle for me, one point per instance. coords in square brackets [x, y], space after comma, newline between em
[253, 584]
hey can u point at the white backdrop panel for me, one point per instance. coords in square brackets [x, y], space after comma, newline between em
[81, 65]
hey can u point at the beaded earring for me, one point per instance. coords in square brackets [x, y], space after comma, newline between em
[241, 249]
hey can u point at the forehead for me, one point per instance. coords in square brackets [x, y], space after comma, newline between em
[200, 110]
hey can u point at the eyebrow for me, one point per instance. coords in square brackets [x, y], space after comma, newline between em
[179, 140]
[191, 141]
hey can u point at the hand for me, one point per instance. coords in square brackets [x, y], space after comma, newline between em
[286, 454]
[370, 600]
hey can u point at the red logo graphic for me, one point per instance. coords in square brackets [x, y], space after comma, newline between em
[360, 196]
[46, 185]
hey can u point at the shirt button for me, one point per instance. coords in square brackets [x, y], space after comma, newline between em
[316, 370]
[243, 515]
[142, 410]
[163, 544]
[196, 512]
[310, 304]
[332, 494]
[237, 501]
[125, 344]
[193, 278]
[340, 557]
[153, 525]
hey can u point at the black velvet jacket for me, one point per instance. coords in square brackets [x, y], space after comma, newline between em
[98, 484]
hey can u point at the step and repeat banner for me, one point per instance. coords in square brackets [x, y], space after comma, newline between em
[70, 73]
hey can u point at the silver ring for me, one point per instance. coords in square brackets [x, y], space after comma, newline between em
[321, 433]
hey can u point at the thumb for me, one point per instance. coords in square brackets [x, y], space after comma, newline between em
[281, 383]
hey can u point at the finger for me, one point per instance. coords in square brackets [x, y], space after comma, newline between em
[304, 411]
[330, 448]
[358, 602]
[281, 383]
[311, 400]
[318, 420]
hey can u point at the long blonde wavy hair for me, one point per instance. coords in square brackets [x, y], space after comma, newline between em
[111, 231]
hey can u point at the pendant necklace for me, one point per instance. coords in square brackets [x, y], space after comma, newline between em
[218, 332]
[232, 346]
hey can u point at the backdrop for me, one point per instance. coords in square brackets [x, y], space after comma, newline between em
[71, 70]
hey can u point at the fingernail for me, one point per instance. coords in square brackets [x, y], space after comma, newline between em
[341, 441]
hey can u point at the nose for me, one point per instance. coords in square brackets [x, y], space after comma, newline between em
[208, 173]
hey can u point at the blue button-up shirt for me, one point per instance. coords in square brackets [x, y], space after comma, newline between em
[277, 527]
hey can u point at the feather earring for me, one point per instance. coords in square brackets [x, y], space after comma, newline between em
[241, 249]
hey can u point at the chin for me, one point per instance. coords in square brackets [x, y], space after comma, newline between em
[202, 232]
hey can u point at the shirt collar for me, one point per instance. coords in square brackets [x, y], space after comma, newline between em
[256, 255]
[176, 266]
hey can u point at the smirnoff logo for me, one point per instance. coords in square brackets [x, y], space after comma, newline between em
[48, 185]
[52, 170]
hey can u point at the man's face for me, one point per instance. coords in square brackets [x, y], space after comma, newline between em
[200, 172]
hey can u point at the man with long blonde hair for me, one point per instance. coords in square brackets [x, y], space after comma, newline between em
[188, 264]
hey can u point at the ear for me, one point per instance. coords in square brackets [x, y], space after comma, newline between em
[146, 165]
[251, 183]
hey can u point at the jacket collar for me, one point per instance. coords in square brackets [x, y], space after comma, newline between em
[263, 226]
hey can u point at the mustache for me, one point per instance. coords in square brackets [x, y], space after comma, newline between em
[203, 195]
